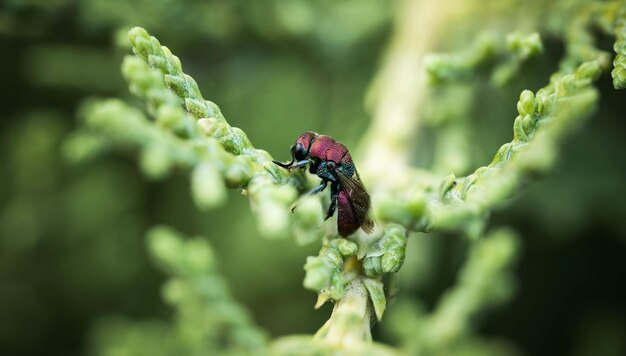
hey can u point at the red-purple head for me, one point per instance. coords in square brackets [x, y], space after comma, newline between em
[300, 150]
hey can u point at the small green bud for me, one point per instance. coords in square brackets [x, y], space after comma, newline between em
[272, 219]
[322, 297]
[164, 246]
[155, 160]
[394, 242]
[331, 255]
[307, 236]
[257, 186]
[231, 142]
[525, 46]
[416, 203]
[155, 46]
[157, 62]
[528, 124]
[460, 214]
[500, 249]
[372, 265]
[545, 102]
[284, 194]
[177, 84]
[567, 84]
[308, 213]
[619, 76]
[142, 47]
[238, 173]
[396, 231]
[337, 285]
[214, 110]
[448, 183]
[588, 71]
[169, 117]
[323, 273]
[619, 63]
[193, 91]
[387, 254]
[346, 247]
[502, 155]
[376, 292]
[192, 257]
[318, 273]
[308, 222]
[526, 104]
[175, 65]
[137, 32]
[82, 146]
[262, 156]
[197, 108]
[519, 135]
[199, 256]
[243, 142]
[468, 182]
[132, 66]
[386, 209]
[207, 187]
[389, 262]
[211, 127]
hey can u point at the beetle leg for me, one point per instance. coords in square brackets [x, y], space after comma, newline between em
[319, 188]
[333, 201]
[315, 190]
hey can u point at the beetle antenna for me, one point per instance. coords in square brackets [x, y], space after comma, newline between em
[285, 165]
[293, 159]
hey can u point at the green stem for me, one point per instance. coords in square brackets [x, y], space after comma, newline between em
[349, 324]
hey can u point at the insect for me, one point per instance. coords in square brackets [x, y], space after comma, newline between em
[331, 161]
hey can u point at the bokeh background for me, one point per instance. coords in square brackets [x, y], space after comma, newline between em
[72, 251]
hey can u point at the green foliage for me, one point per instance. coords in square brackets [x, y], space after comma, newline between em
[619, 63]
[485, 281]
[324, 271]
[218, 154]
[443, 68]
[544, 120]
[387, 254]
[206, 319]
[506, 57]
[222, 156]
[461, 203]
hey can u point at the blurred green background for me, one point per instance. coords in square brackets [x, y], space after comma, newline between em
[72, 249]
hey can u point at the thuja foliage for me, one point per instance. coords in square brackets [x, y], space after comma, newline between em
[181, 130]
[207, 320]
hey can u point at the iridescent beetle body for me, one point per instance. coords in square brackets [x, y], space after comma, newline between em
[331, 161]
